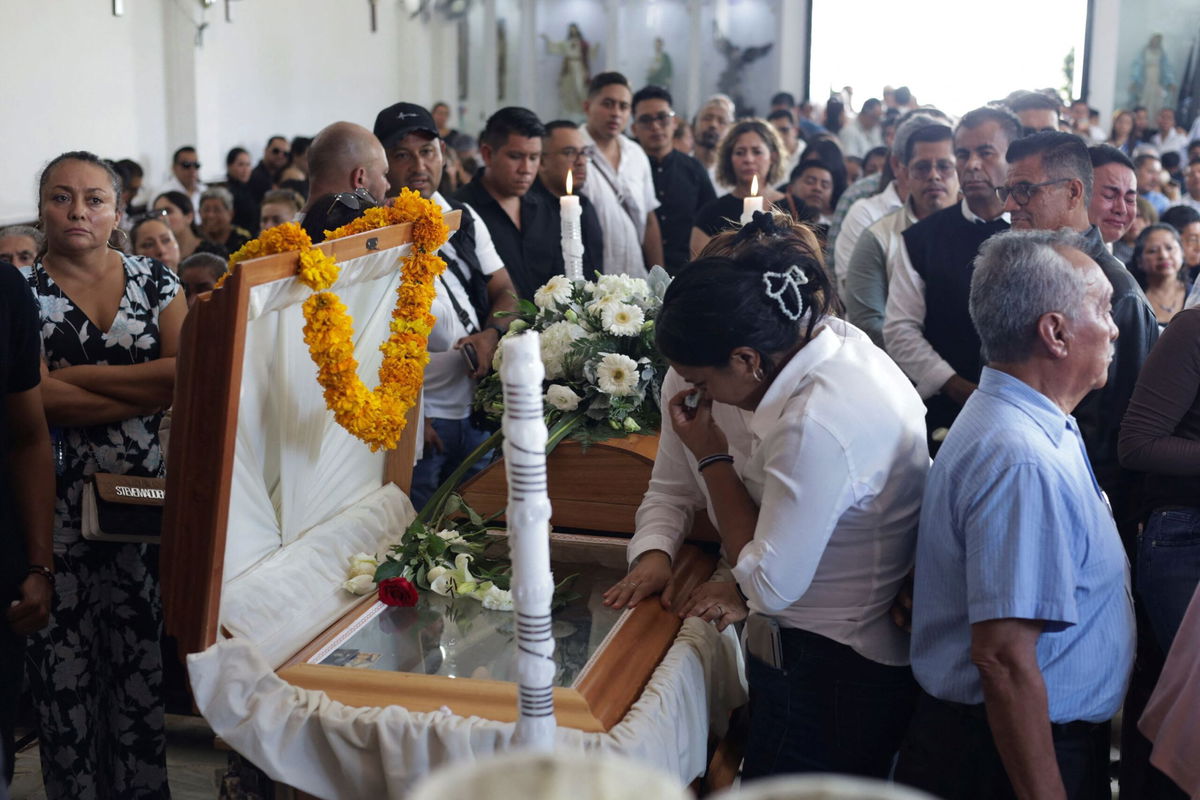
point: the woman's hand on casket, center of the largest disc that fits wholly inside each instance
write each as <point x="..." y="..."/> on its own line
<point x="717" y="602"/>
<point x="696" y="427"/>
<point x="650" y="575"/>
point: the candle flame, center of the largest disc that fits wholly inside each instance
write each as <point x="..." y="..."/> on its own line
<point x="753" y="185"/>
<point x="570" y="183"/>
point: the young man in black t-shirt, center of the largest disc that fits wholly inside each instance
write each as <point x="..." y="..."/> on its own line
<point x="26" y="496"/>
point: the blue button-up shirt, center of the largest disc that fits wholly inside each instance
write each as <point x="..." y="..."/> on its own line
<point x="1014" y="525"/>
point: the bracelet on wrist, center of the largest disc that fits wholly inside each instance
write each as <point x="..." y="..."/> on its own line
<point x="715" y="458"/>
<point x="45" y="572"/>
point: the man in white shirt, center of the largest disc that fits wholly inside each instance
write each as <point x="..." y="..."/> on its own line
<point x="185" y="177"/>
<point x="1191" y="197"/>
<point x="927" y="327"/>
<point x="864" y="132"/>
<point x="785" y="123"/>
<point x="1170" y="137"/>
<point x="466" y="311"/>
<point x="928" y="170"/>
<point x="620" y="184"/>
<point x="869" y="210"/>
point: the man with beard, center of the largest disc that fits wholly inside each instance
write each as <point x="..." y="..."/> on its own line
<point x="927" y="325"/>
<point x="473" y="290"/>
<point x="714" y="119"/>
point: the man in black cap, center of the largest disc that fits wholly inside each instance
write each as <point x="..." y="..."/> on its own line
<point x="474" y="288"/>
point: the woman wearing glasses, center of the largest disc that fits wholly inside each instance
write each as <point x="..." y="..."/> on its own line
<point x="110" y="329"/>
<point x="750" y="156"/>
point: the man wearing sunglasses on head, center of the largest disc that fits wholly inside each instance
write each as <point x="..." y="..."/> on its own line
<point x="681" y="183"/>
<point x="1049" y="187"/>
<point x="471" y="292"/>
<point x="274" y="158"/>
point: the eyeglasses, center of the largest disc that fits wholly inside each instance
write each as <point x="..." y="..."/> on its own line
<point x="921" y="170"/>
<point x="577" y="153"/>
<point x="661" y="118"/>
<point x="279" y="151"/>
<point x="1023" y="192"/>
<point x="189" y="164"/>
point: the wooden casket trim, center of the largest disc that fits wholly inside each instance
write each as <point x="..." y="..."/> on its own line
<point x="203" y="439"/>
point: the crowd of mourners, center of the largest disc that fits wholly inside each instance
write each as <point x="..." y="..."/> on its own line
<point x="1008" y="292"/>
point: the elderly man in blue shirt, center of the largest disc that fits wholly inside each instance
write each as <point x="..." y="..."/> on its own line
<point x="1023" y="628"/>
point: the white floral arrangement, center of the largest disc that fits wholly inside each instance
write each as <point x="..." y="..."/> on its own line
<point x="603" y="373"/>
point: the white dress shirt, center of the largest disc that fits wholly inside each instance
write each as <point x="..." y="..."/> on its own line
<point x="857" y="141"/>
<point x="1175" y="141"/>
<point x="622" y="240"/>
<point x="173" y="185"/>
<point x="862" y="215"/>
<point x="448" y="387"/>
<point x="904" y="326"/>
<point x="837" y="476"/>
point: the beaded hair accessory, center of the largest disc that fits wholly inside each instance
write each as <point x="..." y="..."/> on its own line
<point x="784" y="289"/>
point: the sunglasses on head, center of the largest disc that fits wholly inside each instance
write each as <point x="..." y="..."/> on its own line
<point x="190" y="164"/>
<point x="157" y="213"/>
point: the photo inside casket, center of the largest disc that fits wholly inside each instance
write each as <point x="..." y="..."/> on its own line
<point x="457" y="637"/>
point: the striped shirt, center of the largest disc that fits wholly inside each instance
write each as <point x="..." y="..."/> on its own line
<point x="1015" y="526"/>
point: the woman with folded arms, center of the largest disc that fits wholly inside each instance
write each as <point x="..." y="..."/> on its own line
<point x="110" y="328"/>
<point x="806" y="446"/>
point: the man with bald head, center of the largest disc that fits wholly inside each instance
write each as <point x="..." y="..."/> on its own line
<point x="344" y="158"/>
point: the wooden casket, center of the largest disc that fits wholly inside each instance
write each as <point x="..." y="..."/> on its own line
<point x="338" y="695"/>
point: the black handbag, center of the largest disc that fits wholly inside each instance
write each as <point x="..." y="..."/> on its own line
<point x="123" y="508"/>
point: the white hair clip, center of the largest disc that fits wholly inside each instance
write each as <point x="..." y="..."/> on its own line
<point x="784" y="289"/>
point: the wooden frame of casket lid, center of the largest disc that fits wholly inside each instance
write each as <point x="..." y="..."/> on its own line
<point x="597" y="488"/>
<point x="196" y="519"/>
<point x="204" y="423"/>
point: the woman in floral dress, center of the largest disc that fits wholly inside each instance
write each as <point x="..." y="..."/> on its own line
<point x="110" y="329"/>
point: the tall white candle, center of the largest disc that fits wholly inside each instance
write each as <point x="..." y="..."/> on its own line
<point x="752" y="203"/>
<point x="572" y="232"/>
<point x="529" y="537"/>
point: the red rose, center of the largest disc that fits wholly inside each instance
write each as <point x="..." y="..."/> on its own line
<point x="397" y="592"/>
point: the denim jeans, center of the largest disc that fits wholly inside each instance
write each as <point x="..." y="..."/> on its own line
<point x="459" y="437"/>
<point x="1168" y="568"/>
<point x="827" y="710"/>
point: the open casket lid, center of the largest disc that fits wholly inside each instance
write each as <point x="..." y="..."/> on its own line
<point x="257" y="464"/>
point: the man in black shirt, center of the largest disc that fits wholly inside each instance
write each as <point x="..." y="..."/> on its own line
<point x="681" y="183"/>
<point x="274" y="159"/>
<point x="26" y="496"/>
<point x="563" y="150"/>
<point x="524" y="227"/>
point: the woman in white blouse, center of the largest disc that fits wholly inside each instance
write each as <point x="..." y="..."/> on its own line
<point x="806" y="445"/>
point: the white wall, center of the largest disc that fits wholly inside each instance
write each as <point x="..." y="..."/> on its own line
<point x="136" y="86"/>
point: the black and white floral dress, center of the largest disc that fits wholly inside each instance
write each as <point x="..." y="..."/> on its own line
<point x="96" y="670"/>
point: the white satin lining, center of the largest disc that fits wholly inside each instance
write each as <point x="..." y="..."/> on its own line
<point x="305" y="494"/>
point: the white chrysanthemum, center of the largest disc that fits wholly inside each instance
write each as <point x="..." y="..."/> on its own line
<point x="556" y="343"/>
<point x="497" y="599"/>
<point x="623" y="287"/>
<point x="623" y="319"/>
<point x="359" y="584"/>
<point x="617" y="374"/>
<point x="562" y="398"/>
<point x="556" y="291"/>
<point x="362" y="564"/>
<point x="600" y="303"/>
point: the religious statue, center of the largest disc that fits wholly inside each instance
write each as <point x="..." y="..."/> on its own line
<point x="736" y="58"/>
<point x="661" y="71"/>
<point x="1152" y="80"/>
<point x="575" y="74"/>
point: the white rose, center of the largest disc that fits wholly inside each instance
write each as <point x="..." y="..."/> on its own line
<point x="359" y="584"/>
<point x="498" y="599"/>
<point x="623" y="319"/>
<point x="556" y="291"/>
<point x="362" y="564"/>
<point x="617" y="374"/>
<point x="562" y="398"/>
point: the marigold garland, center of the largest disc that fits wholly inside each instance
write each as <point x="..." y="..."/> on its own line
<point x="376" y="417"/>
